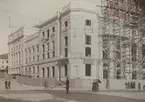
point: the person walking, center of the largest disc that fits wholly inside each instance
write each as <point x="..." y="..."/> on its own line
<point x="67" y="85"/>
<point x="9" y="84"/>
<point x="6" y="85"/>
<point x="46" y="84"/>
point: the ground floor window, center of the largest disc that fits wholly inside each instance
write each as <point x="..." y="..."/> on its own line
<point x="53" y="71"/>
<point x="134" y="75"/>
<point x="48" y="71"/>
<point x="43" y="72"/>
<point x="65" y="66"/>
<point x="105" y="73"/>
<point x="88" y="70"/>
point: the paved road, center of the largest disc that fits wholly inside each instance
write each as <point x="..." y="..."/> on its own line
<point x="60" y="96"/>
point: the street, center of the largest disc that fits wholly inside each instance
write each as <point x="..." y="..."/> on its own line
<point x="59" y="96"/>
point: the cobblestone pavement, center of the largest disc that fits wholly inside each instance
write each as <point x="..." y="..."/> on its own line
<point x="60" y="96"/>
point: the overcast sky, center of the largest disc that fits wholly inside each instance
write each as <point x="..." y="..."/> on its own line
<point x="26" y="12"/>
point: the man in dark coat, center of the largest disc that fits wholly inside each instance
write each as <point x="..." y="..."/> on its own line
<point x="9" y="85"/>
<point x="6" y="84"/>
<point x="67" y="85"/>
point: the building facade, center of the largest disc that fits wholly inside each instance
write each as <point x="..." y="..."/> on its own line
<point x="4" y="63"/>
<point x="68" y="43"/>
<point x="16" y="50"/>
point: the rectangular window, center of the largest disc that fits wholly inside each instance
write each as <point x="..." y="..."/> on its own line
<point x="48" y="71"/>
<point x="66" y="23"/>
<point x="33" y="49"/>
<point x="88" y="39"/>
<point x="37" y="69"/>
<point x="43" y="34"/>
<point x="48" y="46"/>
<point x="53" y="71"/>
<point x="48" y="33"/>
<point x="43" y="72"/>
<point x="47" y="55"/>
<point x="53" y="45"/>
<point x="88" y="52"/>
<point x="33" y="58"/>
<point x="53" y="53"/>
<point x="37" y="48"/>
<point x="37" y="57"/>
<point x="88" y="70"/>
<point x="66" y="41"/>
<point x="43" y="47"/>
<point x="65" y="66"/>
<point x="33" y="69"/>
<point x="88" y="22"/>
<point x="66" y="52"/>
<point x="43" y="56"/>
<point x="53" y="29"/>
<point x="105" y="73"/>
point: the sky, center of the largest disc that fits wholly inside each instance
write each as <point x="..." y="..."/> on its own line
<point x="17" y="13"/>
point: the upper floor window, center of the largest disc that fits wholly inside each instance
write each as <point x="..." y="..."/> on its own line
<point x="48" y="46"/>
<point x="88" y="39"/>
<point x="88" y="70"/>
<point x="53" y="53"/>
<point x="53" y="29"/>
<point x="88" y="22"/>
<point x="88" y="52"/>
<point x="37" y="48"/>
<point x="43" y="34"/>
<point x="48" y="33"/>
<point x="66" y="52"/>
<point x="33" y="49"/>
<point x="53" y="45"/>
<point x="66" y="40"/>
<point x="66" y="23"/>
<point x="43" y="48"/>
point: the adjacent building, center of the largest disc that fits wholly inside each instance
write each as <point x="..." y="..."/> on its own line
<point x="4" y="63"/>
<point x="16" y="49"/>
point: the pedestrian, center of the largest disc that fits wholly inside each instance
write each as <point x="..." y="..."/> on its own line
<point x="125" y="85"/>
<point x="67" y="85"/>
<point x="6" y="84"/>
<point x="9" y="84"/>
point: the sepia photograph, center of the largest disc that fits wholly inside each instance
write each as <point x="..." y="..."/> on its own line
<point x="72" y="50"/>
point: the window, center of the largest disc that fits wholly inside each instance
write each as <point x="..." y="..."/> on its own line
<point x="33" y="58"/>
<point x="105" y="73"/>
<point x="29" y="59"/>
<point x="53" y="71"/>
<point x="33" y="69"/>
<point x="53" y="45"/>
<point x="43" y="47"/>
<point x="29" y="51"/>
<point x="66" y="52"/>
<point x="65" y="66"/>
<point x="66" y="41"/>
<point x="134" y="75"/>
<point x="88" y="70"/>
<point x="105" y="55"/>
<point x="88" y="22"/>
<point x="134" y="51"/>
<point x="43" y="34"/>
<point x="48" y="71"/>
<point x="88" y="52"/>
<point x="118" y="74"/>
<point x="66" y="23"/>
<point x="48" y="33"/>
<point x="37" y="69"/>
<point x="37" y="48"/>
<point x="53" y="29"/>
<point x="37" y="57"/>
<point x="143" y="50"/>
<point x="48" y="46"/>
<point x="53" y="53"/>
<point x="43" y="56"/>
<point x="43" y="72"/>
<point x="88" y="39"/>
<point x="47" y="55"/>
<point x="33" y="49"/>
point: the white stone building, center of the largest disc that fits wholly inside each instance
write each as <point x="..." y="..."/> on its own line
<point x="16" y="47"/>
<point x="68" y="43"/>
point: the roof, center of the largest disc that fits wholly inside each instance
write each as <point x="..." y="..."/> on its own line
<point x="4" y="56"/>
